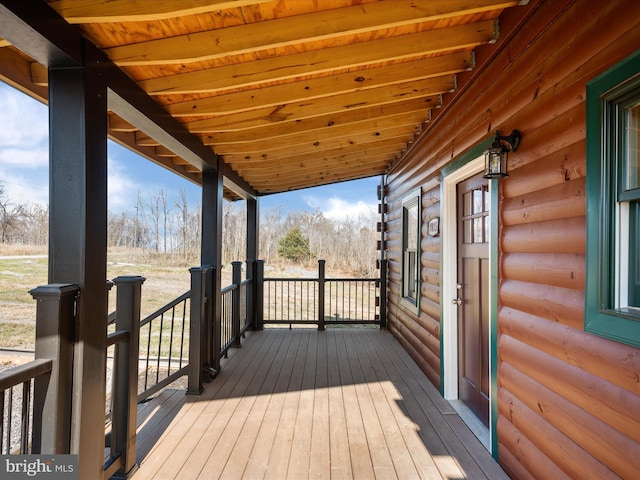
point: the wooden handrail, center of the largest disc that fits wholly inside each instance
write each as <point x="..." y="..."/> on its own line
<point x="23" y="373"/>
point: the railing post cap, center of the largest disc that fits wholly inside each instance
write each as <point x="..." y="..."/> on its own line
<point x="201" y="268"/>
<point x="129" y="279"/>
<point x="55" y="290"/>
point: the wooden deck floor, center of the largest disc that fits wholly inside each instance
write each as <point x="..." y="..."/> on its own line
<point x="295" y="404"/>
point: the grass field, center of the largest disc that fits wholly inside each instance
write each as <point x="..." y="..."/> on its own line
<point x="22" y="270"/>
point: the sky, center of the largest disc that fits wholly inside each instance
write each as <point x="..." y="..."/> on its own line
<point x="24" y="171"/>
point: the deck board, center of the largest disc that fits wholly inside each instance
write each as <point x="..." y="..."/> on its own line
<point x="344" y="403"/>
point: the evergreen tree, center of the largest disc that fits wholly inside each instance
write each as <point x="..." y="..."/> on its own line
<point x="294" y="246"/>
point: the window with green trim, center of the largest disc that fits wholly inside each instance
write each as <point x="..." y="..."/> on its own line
<point x="411" y="250"/>
<point x="612" y="306"/>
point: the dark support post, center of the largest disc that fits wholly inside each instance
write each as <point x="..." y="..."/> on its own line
<point x="321" y="264"/>
<point x="252" y="228"/>
<point x="249" y="299"/>
<point x="252" y="255"/>
<point x="258" y="284"/>
<point x="125" y="386"/>
<point x="78" y="238"/>
<point x="211" y="254"/>
<point x="236" y="279"/>
<point x="197" y="328"/>
<point x="55" y="324"/>
<point x="383" y="294"/>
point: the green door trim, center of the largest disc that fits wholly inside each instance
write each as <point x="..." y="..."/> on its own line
<point x="459" y="162"/>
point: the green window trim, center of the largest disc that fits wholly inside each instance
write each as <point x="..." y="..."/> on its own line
<point x="607" y="94"/>
<point x="411" y="228"/>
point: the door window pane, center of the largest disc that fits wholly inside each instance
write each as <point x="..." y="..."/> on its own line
<point x="478" y="202"/>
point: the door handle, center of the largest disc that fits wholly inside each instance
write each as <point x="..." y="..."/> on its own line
<point x="457" y="301"/>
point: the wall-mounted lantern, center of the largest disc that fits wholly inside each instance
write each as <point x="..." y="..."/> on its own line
<point x="496" y="157"/>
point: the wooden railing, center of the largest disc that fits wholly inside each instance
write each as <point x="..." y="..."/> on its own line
<point x="16" y="405"/>
<point x="234" y="318"/>
<point x="323" y="301"/>
<point x="164" y="346"/>
<point x="186" y="337"/>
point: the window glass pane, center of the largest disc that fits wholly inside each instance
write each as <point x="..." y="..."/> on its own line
<point x="486" y="229"/>
<point x="466" y="199"/>
<point x="477" y="230"/>
<point x="412" y="227"/>
<point x="633" y="154"/>
<point x="412" y="274"/>
<point x="478" y="206"/>
<point x="486" y="198"/>
<point x="634" y="254"/>
<point x="467" y="235"/>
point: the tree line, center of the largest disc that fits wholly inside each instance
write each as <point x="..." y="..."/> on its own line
<point x="158" y="225"/>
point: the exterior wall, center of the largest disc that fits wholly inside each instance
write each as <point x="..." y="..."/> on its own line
<point x="569" y="401"/>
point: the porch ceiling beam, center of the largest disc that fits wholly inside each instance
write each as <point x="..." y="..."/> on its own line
<point x="287" y="31"/>
<point x="39" y="31"/>
<point x="14" y="70"/>
<point x="305" y="108"/>
<point x="402" y="47"/>
<point x="326" y="174"/>
<point x="295" y="169"/>
<point x="323" y="156"/>
<point x="260" y="144"/>
<point x="316" y="145"/>
<point x="82" y="11"/>
<point x="135" y="107"/>
<point x="276" y="184"/>
<point x="336" y="158"/>
<point x="438" y="73"/>
<point x="337" y="120"/>
<point x="175" y="164"/>
<point x="289" y="113"/>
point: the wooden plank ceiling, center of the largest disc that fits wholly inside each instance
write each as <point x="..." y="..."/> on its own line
<point x="291" y="93"/>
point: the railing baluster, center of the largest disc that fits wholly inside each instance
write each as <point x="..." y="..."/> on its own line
<point x="159" y="348"/>
<point x="184" y="321"/>
<point x="24" y="430"/>
<point x="9" y="420"/>
<point x="146" y="368"/>
<point x="173" y="321"/>
<point x="4" y="393"/>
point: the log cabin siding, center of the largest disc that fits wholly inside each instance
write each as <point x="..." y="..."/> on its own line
<point x="568" y="401"/>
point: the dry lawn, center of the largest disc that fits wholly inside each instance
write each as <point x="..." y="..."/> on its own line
<point x="24" y="268"/>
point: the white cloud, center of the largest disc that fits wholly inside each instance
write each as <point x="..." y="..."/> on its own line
<point x="336" y="208"/>
<point x="26" y="121"/>
<point x="122" y="190"/>
<point x="26" y="157"/>
<point x="24" y="147"/>
<point x="25" y="190"/>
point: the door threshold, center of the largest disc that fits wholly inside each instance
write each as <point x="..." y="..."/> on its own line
<point x="474" y="423"/>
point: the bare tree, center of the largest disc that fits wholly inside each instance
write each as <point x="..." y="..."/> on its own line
<point x="11" y="217"/>
<point x="234" y="231"/>
<point x="38" y="224"/>
<point x="271" y="231"/>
